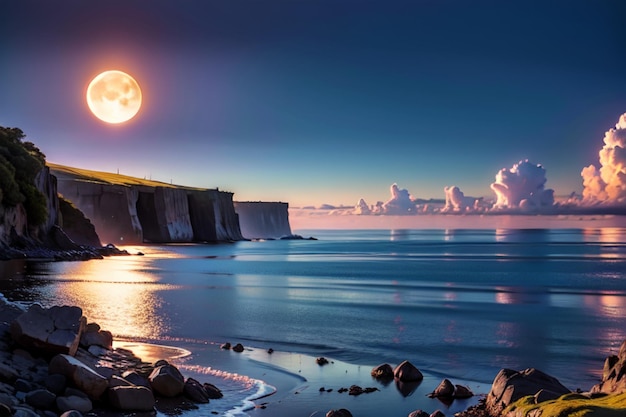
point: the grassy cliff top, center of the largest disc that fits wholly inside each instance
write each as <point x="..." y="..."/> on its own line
<point x="80" y="174"/>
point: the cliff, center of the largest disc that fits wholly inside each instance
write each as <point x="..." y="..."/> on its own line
<point x="129" y="210"/>
<point x="263" y="220"/>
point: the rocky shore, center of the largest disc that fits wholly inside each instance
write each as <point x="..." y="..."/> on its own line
<point x="54" y="363"/>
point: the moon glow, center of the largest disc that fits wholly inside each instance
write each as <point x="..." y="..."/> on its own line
<point x="114" y="97"/>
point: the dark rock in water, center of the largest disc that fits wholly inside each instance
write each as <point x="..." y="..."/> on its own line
<point x="212" y="391"/>
<point x="418" y="413"/>
<point x="74" y="402"/>
<point x="461" y="391"/>
<point x="167" y="381"/>
<point x="509" y="386"/>
<point x="407" y="372"/>
<point x="270" y="351"/>
<point x="226" y="346"/>
<point x="355" y="390"/>
<point x="5" y="410"/>
<point x="238" y="348"/>
<point x="383" y="371"/>
<point x="438" y="413"/>
<point x="296" y="237"/>
<point x="445" y="389"/>
<point x="342" y="412"/>
<point x="321" y="361"/>
<point x="195" y="391"/>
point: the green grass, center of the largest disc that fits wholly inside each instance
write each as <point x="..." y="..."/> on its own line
<point x="571" y="405"/>
<point x="65" y="172"/>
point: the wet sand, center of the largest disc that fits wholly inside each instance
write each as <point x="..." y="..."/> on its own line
<point x="295" y="382"/>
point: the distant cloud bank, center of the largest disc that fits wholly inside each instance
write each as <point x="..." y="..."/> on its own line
<point x="521" y="190"/>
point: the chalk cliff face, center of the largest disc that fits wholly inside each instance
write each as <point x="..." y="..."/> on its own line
<point x="133" y="214"/>
<point x="263" y="220"/>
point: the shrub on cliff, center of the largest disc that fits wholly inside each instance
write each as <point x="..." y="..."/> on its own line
<point x="20" y="162"/>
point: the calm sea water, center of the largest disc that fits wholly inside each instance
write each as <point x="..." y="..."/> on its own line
<point x="459" y="303"/>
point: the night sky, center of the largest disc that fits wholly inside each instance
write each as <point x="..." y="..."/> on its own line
<point x="315" y="102"/>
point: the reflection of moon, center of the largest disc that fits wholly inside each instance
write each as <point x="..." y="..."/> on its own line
<point x="114" y="97"/>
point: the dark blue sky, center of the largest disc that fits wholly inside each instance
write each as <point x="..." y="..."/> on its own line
<point x="317" y="102"/>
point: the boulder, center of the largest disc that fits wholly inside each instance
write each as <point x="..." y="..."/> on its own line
<point x="613" y="374"/>
<point x="238" y="348"/>
<point x="72" y="413"/>
<point x="461" y="391"/>
<point x="212" y="391"/>
<point x="55" y="383"/>
<point x="437" y="413"/>
<point x="195" y="391"/>
<point x="102" y="338"/>
<point x="131" y="398"/>
<point x="383" y="371"/>
<point x="342" y="412"/>
<point x="407" y="372"/>
<point x="136" y="379"/>
<point x="53" y="330"/>
<point x="445" y="389"/>
<point x="41" y="399"/>
<point x="418" y="413"/>
<point x="74" y="402"/>
<point x="509" y="386"/>
<point x="167" y="381"/>
<point x="118" y="381"/>
<point x="82" y="376"/>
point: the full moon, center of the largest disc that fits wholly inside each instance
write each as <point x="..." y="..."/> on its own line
<point x="114" y="97"/>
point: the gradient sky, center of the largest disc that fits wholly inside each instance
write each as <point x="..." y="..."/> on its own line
<point x="315" y="102"/>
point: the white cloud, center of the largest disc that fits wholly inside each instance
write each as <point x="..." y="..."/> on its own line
<point x="399" y="203"/>
<point x="522" y="187"/>
<point x="457" y="201"/>
<point x="608" y="184"/>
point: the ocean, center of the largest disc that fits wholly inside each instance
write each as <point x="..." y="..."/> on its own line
<point x="457" y="303"/>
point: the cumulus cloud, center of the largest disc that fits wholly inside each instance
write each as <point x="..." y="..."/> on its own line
<point x="399" y="203"/>
<point x="457" y="201"/>
<point x="522" y="186"/>
<point x="362" y="208"/>
<point x="608" y="184"/>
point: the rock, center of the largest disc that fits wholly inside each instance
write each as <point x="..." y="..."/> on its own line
<point x="383" y="371"/>
<point x="226" y="346"/>
<point x="5" y="410"/>
<point x="407" y="372"/>
<point x="509" y="386"/>
<point x="102" y="338"/>
<point x="134" y="378"/>
<point x="82" y="376"/>
<point x="23" y="385"/>
<point x="7" y="373"/>
<point x="321" y="361"/>
<point x="212" y="391"/>
<point x="131" y="398"/>
<point x="445" y="389"/>
<point x="22" y="411"/>
<point x="195" y="391"/>
<point x="41" y="399"/>
<point x="55" y="383"/>
<point x="238" y="348"/>
<point x="545" y="395"/>
<point x="74" y="402"/>
<point x="418" y="413"/>
<point x="72" y="413"/>
<point x="66" y="317"/>
<point x="167" y="381"/>
<point x="355" y="390"/>
<point x="54" y="330"/>
<point x="613" y="380"/>
<point x="342" y="412"/>
<point x="438" y="413"/>
<point x="461" y="391"/>
<point x="118" y="381"/>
